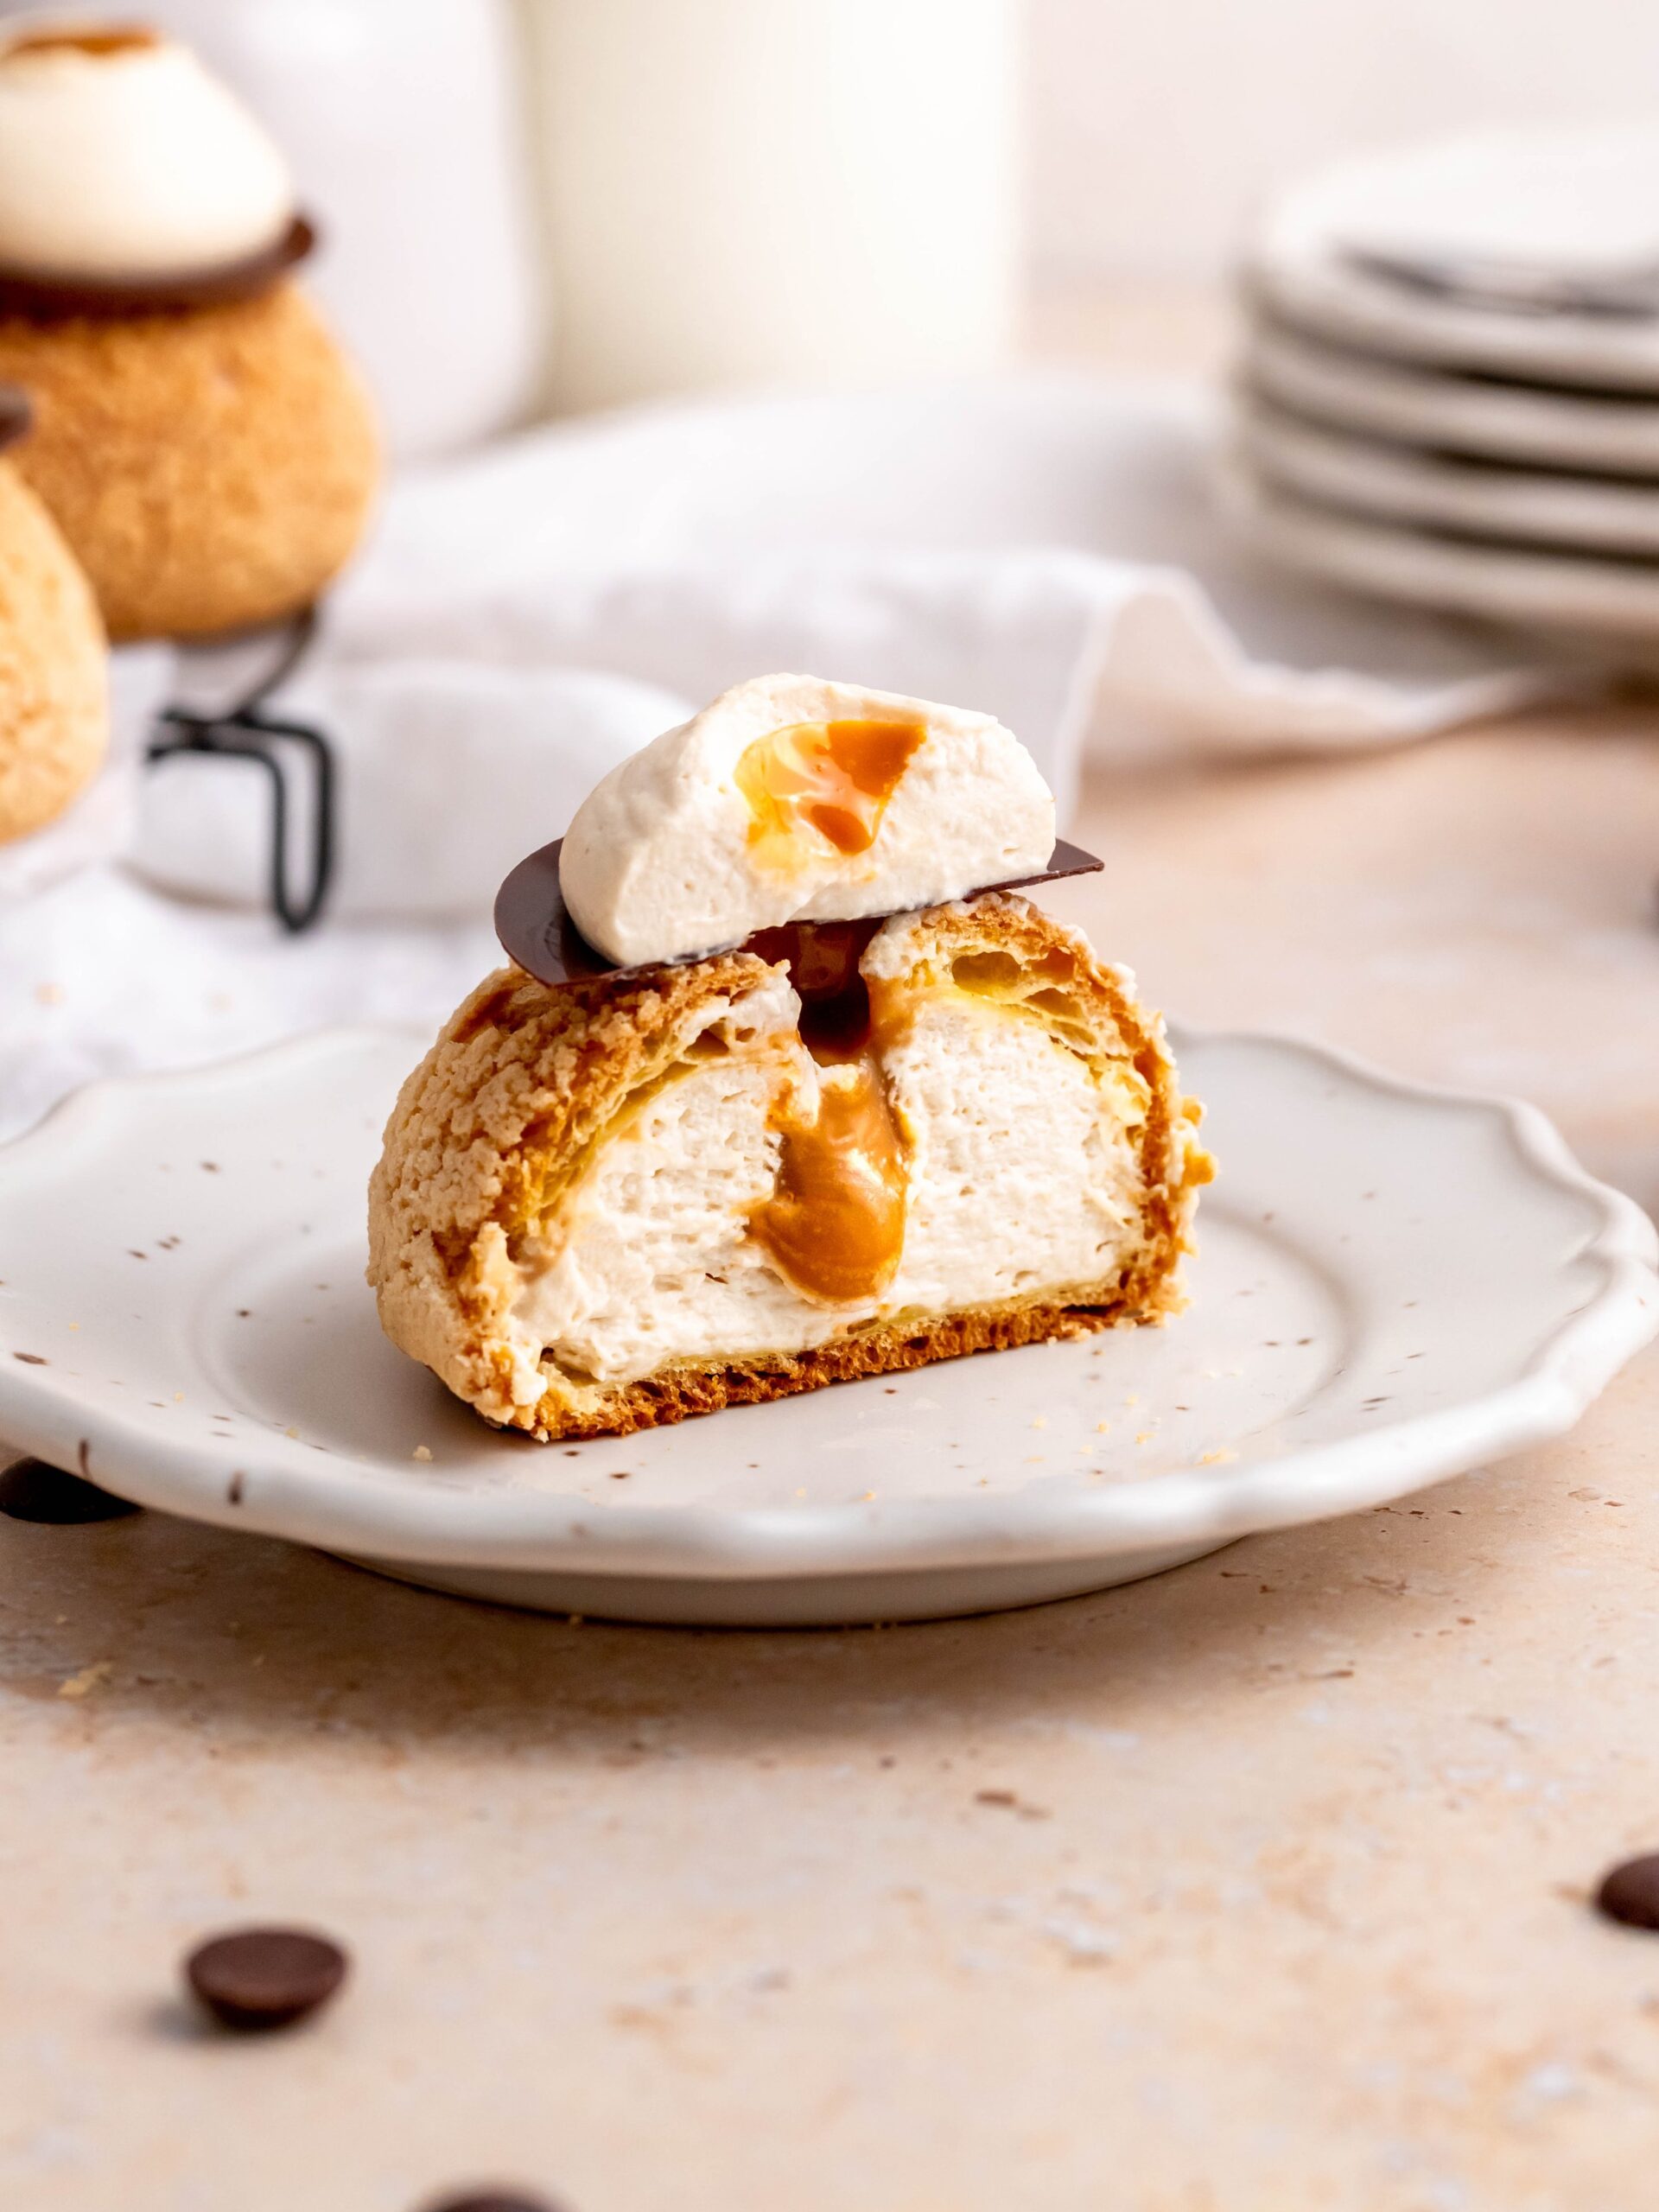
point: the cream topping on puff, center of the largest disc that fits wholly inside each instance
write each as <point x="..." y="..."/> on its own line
<point x="121" y="155"/>
<point x="794" y="799"/>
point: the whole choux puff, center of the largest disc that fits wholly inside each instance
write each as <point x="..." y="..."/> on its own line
<point x="213" y="468"/>
<point x="203" y="444"/>
<point x="53" y="696"/>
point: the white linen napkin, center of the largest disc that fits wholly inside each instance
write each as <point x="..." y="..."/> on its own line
<point x="1047" y="549"/>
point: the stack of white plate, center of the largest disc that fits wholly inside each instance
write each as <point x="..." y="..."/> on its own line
<point x="1449" y="388"/>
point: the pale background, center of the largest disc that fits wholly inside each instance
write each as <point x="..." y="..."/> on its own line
<point x="572" y="202"/>
<point x="1152" y="131"/>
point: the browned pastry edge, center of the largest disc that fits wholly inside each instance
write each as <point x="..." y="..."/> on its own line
<point x="501" y="1113"/>
<point x="679" y="1393"/>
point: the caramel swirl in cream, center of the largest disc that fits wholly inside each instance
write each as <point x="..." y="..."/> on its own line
<point x="834" y="1226"/>
<point x="109" y="38"/>
<point x="833" y="777"/>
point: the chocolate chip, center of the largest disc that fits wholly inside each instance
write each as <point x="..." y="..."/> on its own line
<point x="1631" y="1892"/>
<point x="491" y="2199"/>
<point x="31" y="1491"/>
<point x="262" y="1978"/>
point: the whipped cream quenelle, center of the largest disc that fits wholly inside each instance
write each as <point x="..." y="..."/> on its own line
<point x="122" y="157"/>
<point x="794" y="799"/>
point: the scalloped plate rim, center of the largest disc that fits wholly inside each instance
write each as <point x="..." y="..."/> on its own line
<point x="548" y="1530"/>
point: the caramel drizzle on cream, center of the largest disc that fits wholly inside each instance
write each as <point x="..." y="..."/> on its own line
<point x="834" y="1225"/>
<point x="115" y="38"/>
<point x="834" y="778"/>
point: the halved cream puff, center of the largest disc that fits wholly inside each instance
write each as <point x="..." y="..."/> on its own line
<point x="856" y="1141"/>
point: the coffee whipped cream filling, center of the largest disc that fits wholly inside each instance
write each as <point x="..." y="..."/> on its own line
<point x="792" y="799"/>
<point x="121" y="156"/>
<point x="1020" y="1179"/>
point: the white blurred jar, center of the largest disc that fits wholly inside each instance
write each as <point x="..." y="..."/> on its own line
<point x="403" y="123"/>
<point x="762" y="191"/>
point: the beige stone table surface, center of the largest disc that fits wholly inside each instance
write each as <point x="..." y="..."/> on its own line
<point x="1278" y="1899"/>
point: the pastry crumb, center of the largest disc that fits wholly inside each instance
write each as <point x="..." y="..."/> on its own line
<point x="89" y="1679"/>
<point x="1222" y="1453"/>
<point x="421" y="1451"/>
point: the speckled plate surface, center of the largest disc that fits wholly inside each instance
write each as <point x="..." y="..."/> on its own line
<point x="1395" y="1284"/>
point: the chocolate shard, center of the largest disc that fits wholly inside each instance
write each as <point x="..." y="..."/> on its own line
<point x="538" y="933"/>
<point x="45" y="293"/>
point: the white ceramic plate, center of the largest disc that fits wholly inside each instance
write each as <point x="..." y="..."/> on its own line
<point x="1580" y="200"/>
<point x="1398" y="483"/>
<point x="1455" y="414"/>
<point x="1394" y="1284"/>
<point x="1578" y="596"/>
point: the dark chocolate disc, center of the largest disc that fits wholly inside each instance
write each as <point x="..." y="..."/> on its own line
<point x="536" y="932"/>
<point x="261" y="1978"/>
<point x="493" y="2200"/>
<point x="1629" y="1891"/>
<point x="45" y="293"/>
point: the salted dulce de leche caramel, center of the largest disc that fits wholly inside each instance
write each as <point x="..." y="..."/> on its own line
<point x="110" y="38"/>
<point x="833" y="777"/>
<point x="834" y="1225"/>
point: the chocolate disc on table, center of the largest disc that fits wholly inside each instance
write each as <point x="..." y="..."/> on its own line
<point x="538" y="933"/>
<point x="69" y="292"/>
<point x="256" y="1978"/>
<point x="493" y="2200"/>
<point x="1630" y="1892"/>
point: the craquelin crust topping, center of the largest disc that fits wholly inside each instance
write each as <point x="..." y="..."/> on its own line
<point x="503" y="1114"/>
